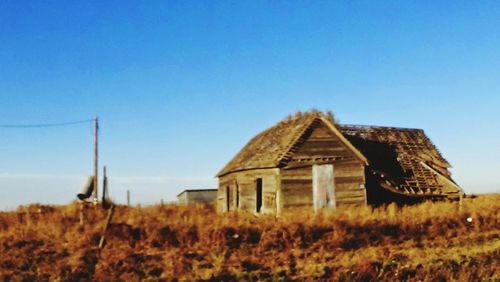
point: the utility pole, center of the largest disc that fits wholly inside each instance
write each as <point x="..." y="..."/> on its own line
<point x="104" y="185"/>
<point x="96" y="155"/>
<point x="128" y="198"/>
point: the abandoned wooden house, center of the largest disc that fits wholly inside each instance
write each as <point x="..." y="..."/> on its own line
<point x="308" y="160"/>
<point x="197" y="196"/>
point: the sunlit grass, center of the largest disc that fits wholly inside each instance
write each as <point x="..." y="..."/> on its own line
<point x="430" y="241"/>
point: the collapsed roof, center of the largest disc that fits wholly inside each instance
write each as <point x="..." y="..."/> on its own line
<point x="404" y="160"/>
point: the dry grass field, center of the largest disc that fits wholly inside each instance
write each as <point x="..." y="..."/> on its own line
<point x="430" y="241"/>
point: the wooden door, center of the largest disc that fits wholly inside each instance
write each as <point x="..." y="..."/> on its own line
<point x="323" y="186"/>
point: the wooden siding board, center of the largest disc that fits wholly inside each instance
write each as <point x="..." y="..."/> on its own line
<point x="296" y="171"/>
<point x="307" y="162"/>
<point x="349" y="179"/>
<point x="298" y="191"/>
<point x="296" y="177"/>
<point x="349" y="169"/>
<point x="349" y="186"/>
<point x="349" y="193"/>
<point x="298" y="200"/>
<point x="296" y="181"/>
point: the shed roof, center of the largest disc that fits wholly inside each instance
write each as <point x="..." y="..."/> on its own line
<point x="197" y="190"/>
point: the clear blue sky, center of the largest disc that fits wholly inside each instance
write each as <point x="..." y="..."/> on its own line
<point x="181" y="86"/>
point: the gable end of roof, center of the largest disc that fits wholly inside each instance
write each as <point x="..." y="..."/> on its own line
<point x="275" y="146"/>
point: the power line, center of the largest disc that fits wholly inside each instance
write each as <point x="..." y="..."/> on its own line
<point x="45" y="124"/>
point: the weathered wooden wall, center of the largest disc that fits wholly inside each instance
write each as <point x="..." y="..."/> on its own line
<point x="200" y="196"/>
<point x="321" y="146"/>
<point x="182" y="198"/>
<point x="296" y="187"/>
<point x="350" y="182"/>
<point x="227" y="182"/>
<point x="243" y="194"/>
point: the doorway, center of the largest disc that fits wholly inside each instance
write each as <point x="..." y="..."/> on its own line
<point x="258" y="189"/>
<point x="228" y="198"/>
<point x="323" y="187"/>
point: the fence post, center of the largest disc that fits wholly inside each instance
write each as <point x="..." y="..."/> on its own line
<point x="460" y="203"/>
<point x="82" y="213"/>
<point x="28" y="217"/>
<point x="128" y="198"/>
<point x="111" y="211"/>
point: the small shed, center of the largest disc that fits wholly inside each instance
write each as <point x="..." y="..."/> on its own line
<point x="308" y="160"/>
<point x="197" y="196"/>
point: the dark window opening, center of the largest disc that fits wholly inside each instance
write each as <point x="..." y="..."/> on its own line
<point x="228" y="198"/>
<point x="259" y="194"/>
<point x="237" y="196"/>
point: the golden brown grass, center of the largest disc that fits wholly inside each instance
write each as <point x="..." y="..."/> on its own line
<point x="431" y="241"/>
